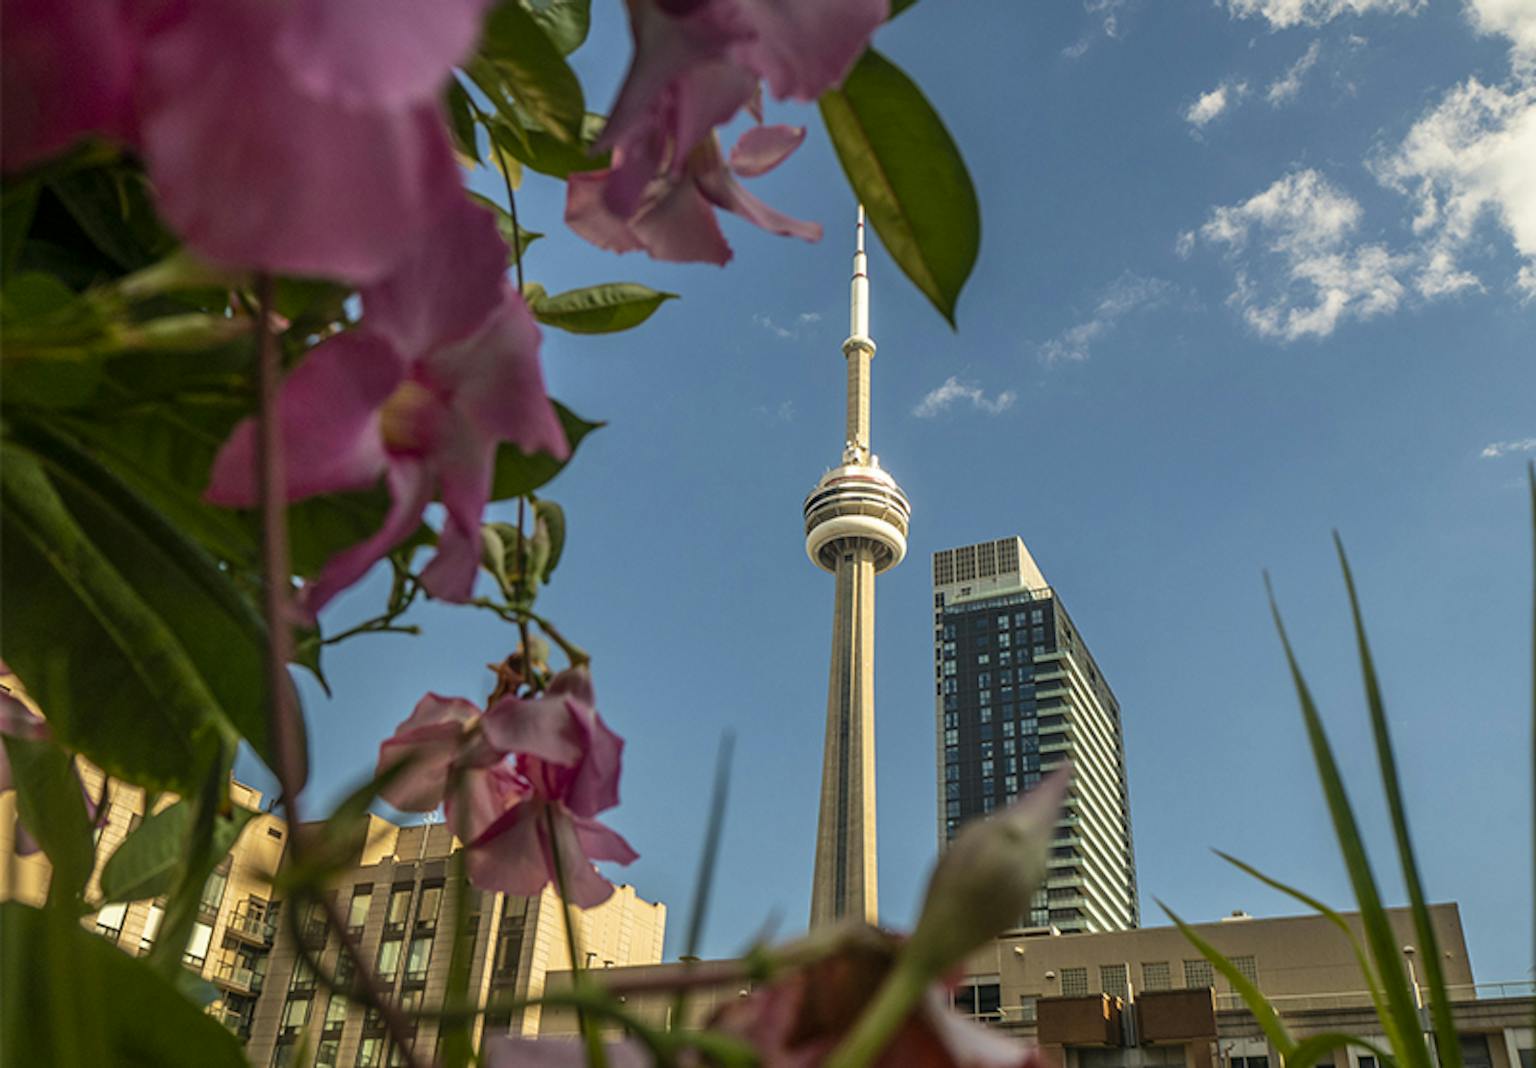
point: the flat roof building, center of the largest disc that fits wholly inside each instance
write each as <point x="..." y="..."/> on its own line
<point x="1016" y="694"/>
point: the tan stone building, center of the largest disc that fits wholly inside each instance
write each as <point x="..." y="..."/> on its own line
<point x="1145" y="998"/>
<point x="398" y="903"/>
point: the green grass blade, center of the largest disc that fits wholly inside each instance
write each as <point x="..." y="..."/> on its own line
<point x="1257" y="1004"/>
<point x="1372" y="984"/>
<point x="1309" y="1049"/>
<point x="1429" y="949"/>
<point x="1412" y="1052"/>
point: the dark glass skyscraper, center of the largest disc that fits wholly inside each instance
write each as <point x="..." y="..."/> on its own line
<point x="1017" y="693"/>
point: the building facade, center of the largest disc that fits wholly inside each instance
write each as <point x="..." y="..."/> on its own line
<point x="399" y="903"/>
<point x="1016" y="694"/>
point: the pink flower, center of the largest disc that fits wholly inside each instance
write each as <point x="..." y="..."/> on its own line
<point x="516" y="818"/>
<point x="507" y="1051"/>
<point x="296" y="136"/>
<point x="696" y="63"/>
<point x="444" y="367"/>
<point x="673" y="218"/>
<point x="568" y="763"/>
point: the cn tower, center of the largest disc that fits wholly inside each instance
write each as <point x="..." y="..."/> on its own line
<point x="855" y="527"/>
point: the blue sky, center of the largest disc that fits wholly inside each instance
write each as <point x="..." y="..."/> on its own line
<point x="1251" y="271"/>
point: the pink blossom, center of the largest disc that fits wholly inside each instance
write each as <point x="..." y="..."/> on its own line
<point x="673" y="217"/>
<point x="444" y="367"/>
<point x="569" y="762"/>
<point x="296" y="136"/>
<point x="696" y="64"/>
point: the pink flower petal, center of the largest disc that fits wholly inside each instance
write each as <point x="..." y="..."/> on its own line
<point x="445" y="287"/>
<point x="65" y="71"/>
<point x="575" y="683"/>
<point x="329" y="411"/>
<point x="464" y="460"/>
<point x="588" y="215"/>
<point x="377" y="53"/>
<point x="725" y="192"/>
<point x="804" y="47"/>
<point x="486" y="796"/>
<point x="510" y="855"/>
<point x="429" y="739"/>
<point x="538" y="726"/>
<point x="410" y="488"/>
<point x="762" y="148"/>
<point x="496" y="380"/>
<point x="595" y="787"/>
<point x="969" y="1044"/>
<point x="227" y="134"/>
<point x="601" y="842"/>
<point x="585" y="887"/>
<point x="680" y="227"/>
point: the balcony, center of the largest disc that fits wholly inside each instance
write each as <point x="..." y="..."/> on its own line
<point x="1091" y="1020"/>
<point x="314" y="934"/>
<point x="233" y="1020"/>
<point x="253" y="928"/>
<point x="1176" y="1015"/>
<point x="235" y="975"/>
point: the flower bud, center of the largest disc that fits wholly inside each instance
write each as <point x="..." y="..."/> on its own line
<point x="984" y="881"/>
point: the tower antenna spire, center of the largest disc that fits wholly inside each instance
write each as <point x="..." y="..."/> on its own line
<point x="858" y="317"/>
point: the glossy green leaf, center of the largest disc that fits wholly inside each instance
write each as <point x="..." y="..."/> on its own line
<point x="50" y="803"/>
<point x="519" y="474"/>
<point x="1268" y="1020"/>
<point x="565" y="22"/>
<point x="603" y="309"/>
<point x="1424" y="930"/>
<point x="39" y="313"/>
<point x="1385" y="952"/>
<point x="145" y="865"/>
<point x="1312" y="1048"/>
<point x="461" y="120"/>
<point x="538" y="151"/>
<point x="18" y="202"/>
<point x="533" y="69"/>
<point x="73" y="1000"/>
<point x="907" y="172"/>
<point x="898" y="6"/>
<point x="199" y="855"/>
<point x="515" y="236"/>
<point x="551" y="517"/>
<point x="112" y="205"/>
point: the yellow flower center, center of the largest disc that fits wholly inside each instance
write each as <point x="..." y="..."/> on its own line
<point x="403" y="418"/>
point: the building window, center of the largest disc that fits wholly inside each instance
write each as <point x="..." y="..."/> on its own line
<point x="1198" y="973"/>
<point x="949" y="667"/>
<point x="985" y="714"/>
<point x="1007" y="724"/>
<point x="109" y="921"/>
<point x="151" y="927"/>
<point x="1008" y="744"/>
<point x="1112" y="979"/>
<point x="296" y="1013"/>
<point x="983" y="658"/>
<point x="1250" y="1062"/>
<point x="416" y="961"/>
<point x="951" y="719"/>
<point x="950" y="686"/>
<point x="952" y="773"/>
<point x="952" y="737"/>
<point x="399" y="907"/>
<point x="302" y="981"/>
<point x="1038" y="615"/>
<point x="1247" y="969"/>
<point x="1155" y="975"/>
<point x="983" y="679"/>
<point x="988" y="803"/>
<point x="335" y="1015"/>
<point x="952" y="755"/>
<point x="327" y="1053"/>
<point x="1011" y="784"/>
<point x="1074" y="982"/>
<point x="986" y="750"/>
<point x="986" y="767"/>
<point x="197" y="949"/>
<point x="389" y="959"/>
<point x="357" y="911"/>
<point x="370" y="1053"/>
<point x="984" y="697"/>
<point x="978" y="999"/>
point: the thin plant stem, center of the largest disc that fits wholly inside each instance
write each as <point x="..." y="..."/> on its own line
<point x="283" y="724"/>
<point x="522" y="551"/>
<point x="707" y="863"/>
<point x="517" y="231"/>
<point x="596" y="1057"/>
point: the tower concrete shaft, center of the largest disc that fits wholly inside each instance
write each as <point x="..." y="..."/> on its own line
<point x="856" y="527"/>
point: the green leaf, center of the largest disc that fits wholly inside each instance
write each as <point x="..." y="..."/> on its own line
<point x="461" y="120"/>
<point x="533" y="69"/>
<point x="39" y="312"/>
<point x="515" y="236"/>
<point x="565" y="22"/>
<point x="113" y="207"/>
<point x="199" y="855"/>
<point x="898" y="6"/>
<point x="603" y="309"/>
<point x="907" y="172"/>
<point x="552" y="517"/>
<point x="144" y="866"/>
<point x="1309" y="1050"/>
<point x="122" y="613"/>
<point x="90" y="1004"/>
<point x="1424" y="930"/>
<point x="1411" y="1052"/>
<point x="17" y="204"/>
<point x="519" y="474"/>
<point x="1262" y="1011"/>
<point x="50" y="803"/>
<point x="541" y="152"/>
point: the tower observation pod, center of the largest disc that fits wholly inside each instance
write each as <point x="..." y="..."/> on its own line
<point x="855" y="527"/>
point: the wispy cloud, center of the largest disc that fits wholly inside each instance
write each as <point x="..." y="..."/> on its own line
<point x="1498" y="449"/>
<point x="1286" y="87"/>
<point x="779" y="330"/>
<point x="954" y="392"/>
<point x="784" y="412"/>
<point x="1107" y="14"/>
<point x="1126" y="294"/>
<point x="1208" y="107"/>
<point x="1283" y="14"/>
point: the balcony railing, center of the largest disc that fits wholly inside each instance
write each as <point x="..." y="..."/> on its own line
<point x="234" y="1021"/>
<point x="232" y="973"/>
<point x="1355" y="999"/>
<point x="251" y="927"/>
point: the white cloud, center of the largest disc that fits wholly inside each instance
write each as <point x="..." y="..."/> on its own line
<point x="1108" y="14"/>
<point x="1184" y="244"/>
<point x="1128" y="293"/>
<point x="808" y="317"/>
<point x="1515" y="19"/>
<point x="1498" y="449"/>
<point x="953" y="392"/>
<point x="1282" y="14"/>
<point x="1470" y="158"/>
<point x="1288" y="85"/>
<point x="786" y="332"/>
<point x="1209" y="106"/>
<point x="1299" y="272"/>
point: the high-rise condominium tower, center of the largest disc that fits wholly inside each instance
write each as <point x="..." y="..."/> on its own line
<point x="855" y="527"/>
<point x="1018" y="693"/>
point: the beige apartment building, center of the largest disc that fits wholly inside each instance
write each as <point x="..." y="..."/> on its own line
<point x="1145" y="998"/>
<point x="397" y="900"/>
